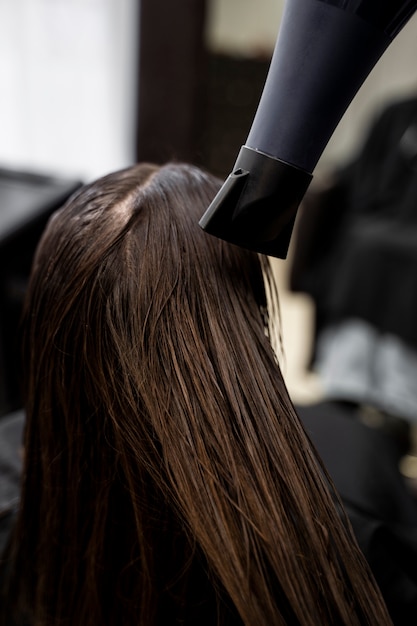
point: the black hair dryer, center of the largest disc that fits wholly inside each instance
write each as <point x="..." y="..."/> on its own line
<point x="324" y="51"/>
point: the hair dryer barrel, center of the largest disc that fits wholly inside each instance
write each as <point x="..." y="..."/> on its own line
<point x="324" y="52"/>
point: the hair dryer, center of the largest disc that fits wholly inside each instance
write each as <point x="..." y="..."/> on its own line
<point x="325" y="50"/>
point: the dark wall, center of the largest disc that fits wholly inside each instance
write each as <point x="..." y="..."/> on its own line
<point x="193" y="104"/>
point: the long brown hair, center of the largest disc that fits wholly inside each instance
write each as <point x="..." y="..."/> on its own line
<point x="167" y="477"/>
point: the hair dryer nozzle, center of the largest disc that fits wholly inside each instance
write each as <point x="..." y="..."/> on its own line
<point x="324" y="51"/>
<point x="257" y="204"/>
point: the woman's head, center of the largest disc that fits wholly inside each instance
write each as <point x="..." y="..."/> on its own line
<point x="167" y="477"/>
<point x="125" y="281"/>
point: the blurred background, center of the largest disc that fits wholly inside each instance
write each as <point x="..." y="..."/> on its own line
<point x="89" y="86"/>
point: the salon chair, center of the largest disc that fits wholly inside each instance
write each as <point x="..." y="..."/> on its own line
<point x="26" y="202"/>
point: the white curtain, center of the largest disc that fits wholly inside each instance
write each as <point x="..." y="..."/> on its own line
<point x="67" y="85"/>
